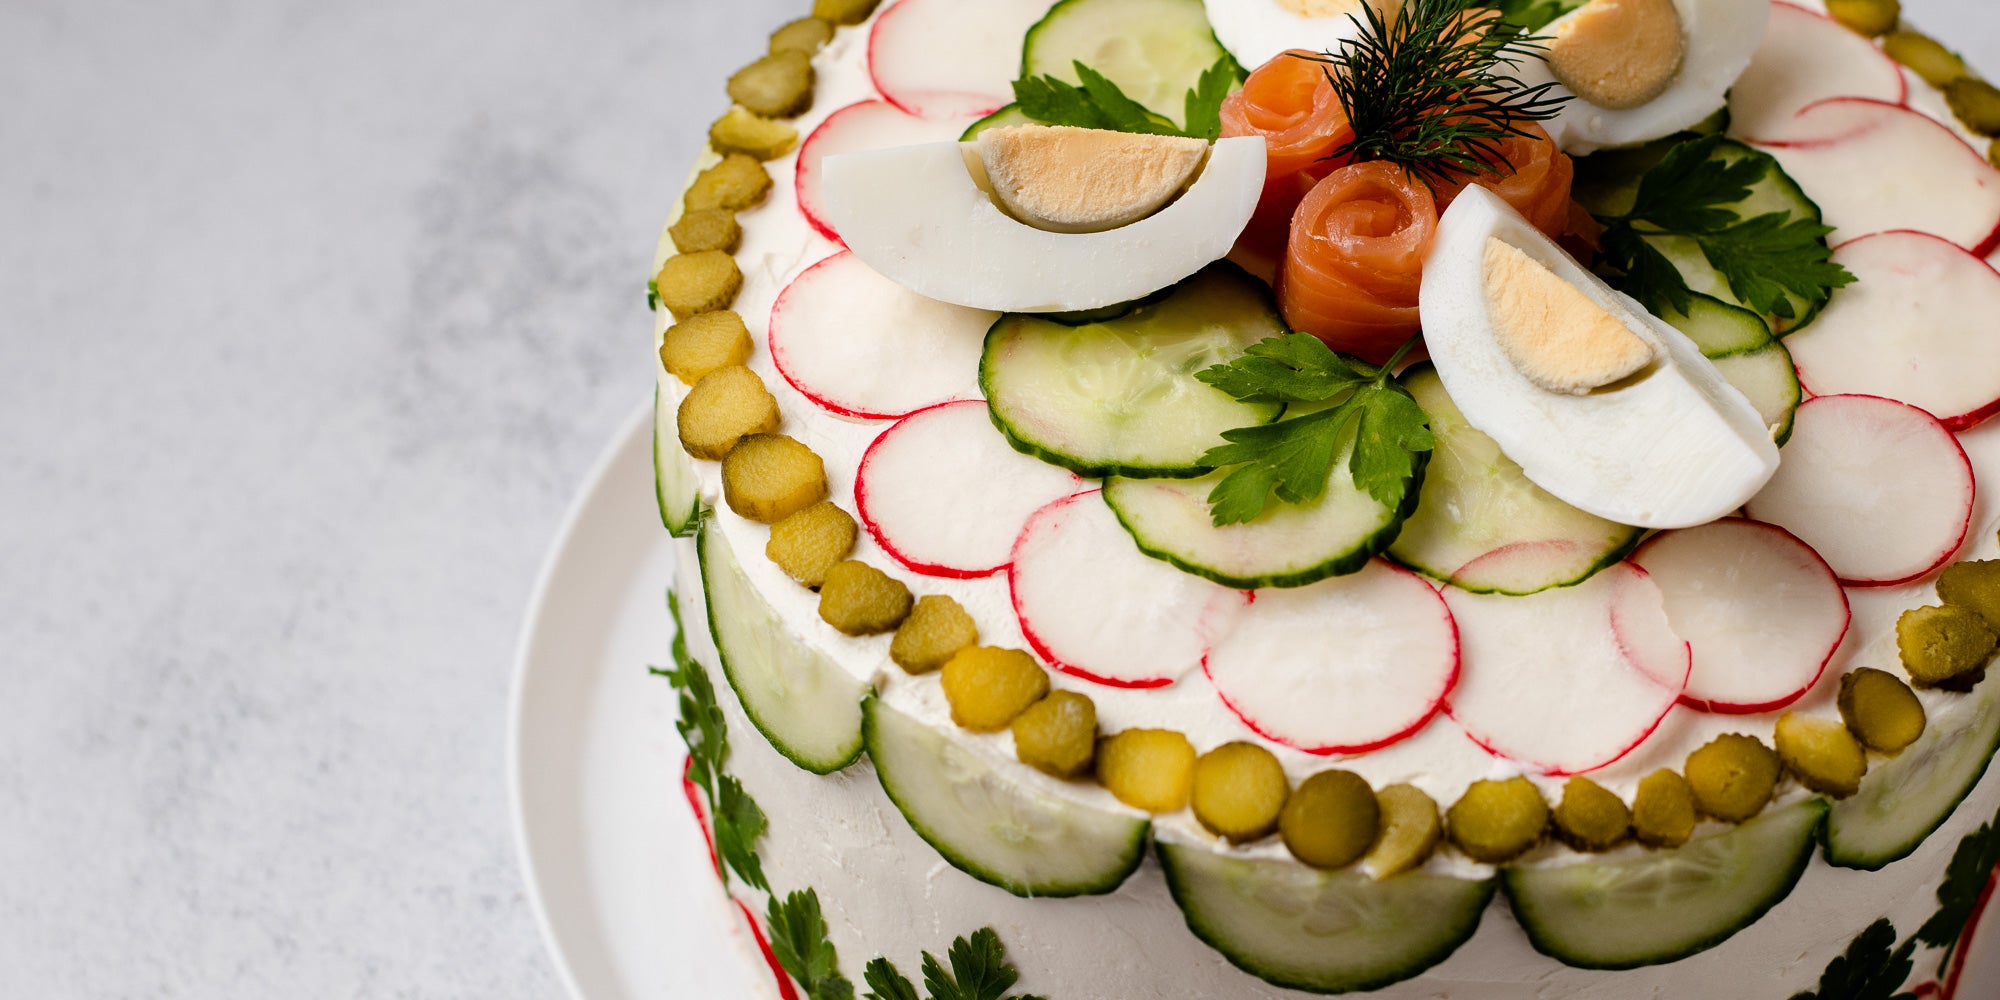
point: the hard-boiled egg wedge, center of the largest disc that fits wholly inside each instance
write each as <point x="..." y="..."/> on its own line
<point x="1256" y="31"/>
<point x="931" y="217"/>
<point x="1616" y="413"/>
<point x="1642" y="69"/>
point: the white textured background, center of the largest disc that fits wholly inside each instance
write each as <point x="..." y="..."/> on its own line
<point x="312" y="315"/>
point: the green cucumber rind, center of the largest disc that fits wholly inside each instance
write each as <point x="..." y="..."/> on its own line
<point x="1053" y="454"/>
<point x="1877" y="860"/>
<point x="1549" y="943"/>
<point x="1350" y="561"/>
<point x="1009" y="114"/>
<point x="1179" y="886"/>
<point x="1109" y="882"/>
<point x="679" y="515"/>
<point x="844" y="757"/>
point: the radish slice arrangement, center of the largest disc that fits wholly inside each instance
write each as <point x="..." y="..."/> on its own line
<point x="943" y="57"/>
<point x="1806" y="58"/>
<point x="860" y="128"/>
<point x="1874" y="166"/>
<point x="1346" y="665"/>
<point x="946" y="496"/>
<point x="1913" y="327"/>
<point x="1880" y="489"/>
<point x="1567" y="680"/>
<point x="1093" y="606"/>
<point x="1760" y="609"/>
<point x="861" y="345"/>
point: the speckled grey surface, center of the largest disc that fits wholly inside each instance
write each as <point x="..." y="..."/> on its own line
<point x="312" y="316"/>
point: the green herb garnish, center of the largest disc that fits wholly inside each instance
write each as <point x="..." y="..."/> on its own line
<point x="798" y="939"/>
<point x="1098" y="103"/>
<point x="1532" y="15"/>
<point x="734" y="815"/>
<point x="1691" y="193"/>
<point x="652" y="295"/>
<point x="1432" y="92"/>
<point x="1869" y="970"/>
<point x="1965" y="878"/>
<point x="1374" y="421"/>
<point x="979" y="971"/>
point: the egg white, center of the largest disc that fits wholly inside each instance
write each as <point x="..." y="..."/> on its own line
<point x="1256" y="31"/>
<point x="1721" y="35"/>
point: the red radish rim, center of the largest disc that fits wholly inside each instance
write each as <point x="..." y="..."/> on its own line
<point x="1965" y="936"/>
<point x="693" y="793"/>
<point x="1035" y="641"/>
<point x="1957" y="422"/>
<point x="881" y="538"/>
<point x="805" y="168"/>
<point x="875" y="79"/>
<point x="1902" y="81"/>
<point x="1713" y="707"/>
<point x="776" y="345"/>
<point x="1985" y="246"/>
<point x="1964" y="528"/>
<point x="1333" y="749"/>
<point x="785" y="987"/>
<point x="1623" y="651"/>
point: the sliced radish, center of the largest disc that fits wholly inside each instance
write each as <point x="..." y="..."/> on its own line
<point x="1761" y="610"/>
<point x="1880" y="489"/>
<point x="786" y="991"/>
<point x="947" y="57"/>
<point x="860" y="128"/>
<point x="1346" y="665"/>
<point x="861" y="345"/>
<point x="1571" y="679"/>
<point x="1095" y="607"/>
<point x="946" y="495"/>
<point x="1915" y="327"/>
<point x="1805" y="58"/>
<point x="1874" y="166"/>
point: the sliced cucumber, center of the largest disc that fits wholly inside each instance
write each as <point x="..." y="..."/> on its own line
<point x="674" y="481"/>
<point x="1120" y="397"/>
<point x="1476" y="501"/>
<point x="1907" y="797"/>
<point x="1608" y="183"/>
<point x="1719" y="329"/>
<point x="990" y="823"/>
<point x="1287" y="546"/>
<point x="1769" y="380"/>
<point x="1324" y="932"/>
<point x="1746" y="354"/>
<point x="1003" y="118"/>
<point x="1154" y="50"/>
<point x="1643" y="907"/>
<point x="801" y="701"/>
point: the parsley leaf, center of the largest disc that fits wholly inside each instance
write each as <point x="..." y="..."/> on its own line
<point x="798" y="939"/>
<point x="886" y="983"/>
<point x="979" y="970"/>
<point x="1691" y="196"/>
<point x="1958" y="895"/>
<point x="1097" y="102"/>
<point x="1869" y="970"/>
<point x="652" y="295"/>
<point x="735" y="818"/>
<point x="1375" y="423"/>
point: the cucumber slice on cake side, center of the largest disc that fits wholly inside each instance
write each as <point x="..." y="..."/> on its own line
<point x="1476" y="502"/>
<point x="804" y="704"/>
<point x="675" y="484"/>
<point x="1322" y="932"/>
<point x="1640" y="907"/>
<point x="1120" y="397"/>
<point x="1289" y="545"/>
<point x="1154" y="50"/>
<point x="1904" y="799"/>
<point x="990" y="822"/>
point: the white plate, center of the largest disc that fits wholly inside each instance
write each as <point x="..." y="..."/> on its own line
<point x="616" y="868"/>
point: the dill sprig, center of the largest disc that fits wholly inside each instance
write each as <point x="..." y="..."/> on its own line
<point x="1433" y="91"/>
